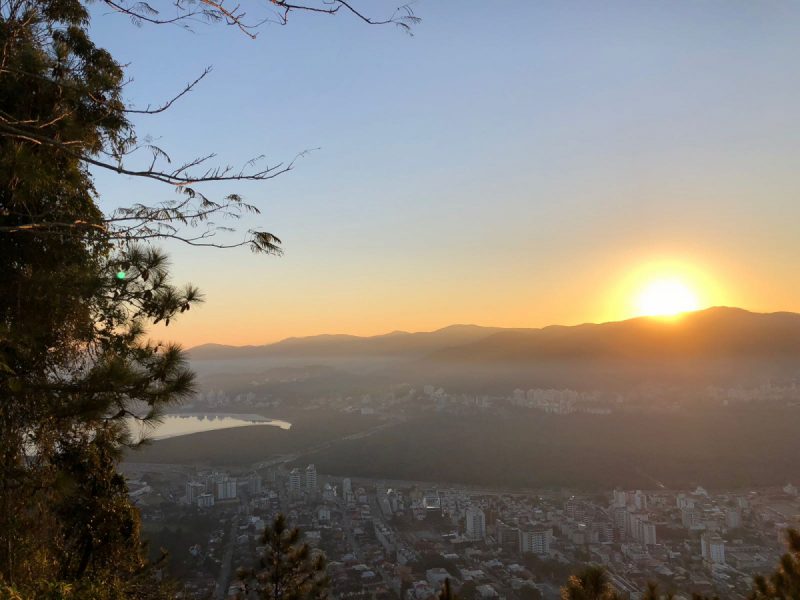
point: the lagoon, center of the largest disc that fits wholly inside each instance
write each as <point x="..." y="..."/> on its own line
<point x="173" y="425"/>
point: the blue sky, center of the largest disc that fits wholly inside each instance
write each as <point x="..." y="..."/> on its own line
<point x="512" y="163"/>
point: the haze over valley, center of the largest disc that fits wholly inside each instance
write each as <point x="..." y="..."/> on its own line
<point x="708" y="397"/>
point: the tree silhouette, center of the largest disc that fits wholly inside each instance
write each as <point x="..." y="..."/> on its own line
<point x="590" y="584"/>
<point x="288" y="569"/>
<point x="79" y="287"/>
<point x="784" y="582"/>
<point x="447" y="593"/>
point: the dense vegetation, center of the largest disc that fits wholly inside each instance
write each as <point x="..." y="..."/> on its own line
<point x="733" y="448"/>
<point x="78" y="288"/>
<point x="73" y="362"/>
<point x="729" y="448"/>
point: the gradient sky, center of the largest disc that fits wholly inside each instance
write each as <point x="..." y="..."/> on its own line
<point x="513" y="163"/>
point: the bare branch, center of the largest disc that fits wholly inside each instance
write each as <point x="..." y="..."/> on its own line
<point x="180" y="176"/>
<point x="215" y="11"/>
<point x="168" y="103"/>
<point x="403" y="16"/>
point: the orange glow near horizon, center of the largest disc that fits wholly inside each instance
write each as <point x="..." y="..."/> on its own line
<point x="622" y="289"/>
<point x="666" y="297"/>
<point x="668" y="288"/>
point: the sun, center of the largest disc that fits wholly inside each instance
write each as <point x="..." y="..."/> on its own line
<point x="666" y="297"/>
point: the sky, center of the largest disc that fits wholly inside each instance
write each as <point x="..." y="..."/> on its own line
<point x="512" y="164"/>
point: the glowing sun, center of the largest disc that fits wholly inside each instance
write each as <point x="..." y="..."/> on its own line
<point x="666" y="297"/>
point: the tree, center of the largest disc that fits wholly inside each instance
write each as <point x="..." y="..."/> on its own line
<point x="288" y="568"/>
<point x="784" y="582"/>
<point x="78" y="289"/>
<point x="652" y="593"/>
<point x="446" y="593"/>
<point x="73" y="364"/>
<point x="590" y="584"/>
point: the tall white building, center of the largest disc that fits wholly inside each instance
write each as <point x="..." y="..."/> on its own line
<point x="712" y="547"/>
<point x="648" y="534"/>
<point x="205" y="500"/>
<point x="476" y="523"/>
<point x="193" y="491"/>
<point x="535" y="540"/>
<point x="254" y="483"/>
<point x="690" y="517"/>
<point x="311" y="478"/>
<point x="225" y="489"/>
<point x="296" y="481"/>
<point x="633" y="524"/>
<point x="347" y="490"/>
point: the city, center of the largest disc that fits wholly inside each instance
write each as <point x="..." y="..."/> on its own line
<point x="394" y="539"/>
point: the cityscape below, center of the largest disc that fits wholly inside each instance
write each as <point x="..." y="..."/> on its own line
<point x="690" y="485"/>
<point x="399" y="538"/>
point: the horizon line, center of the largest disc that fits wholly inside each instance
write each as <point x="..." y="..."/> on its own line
<point x="452" y="325"/>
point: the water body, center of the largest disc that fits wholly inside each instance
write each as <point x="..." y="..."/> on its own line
<point x="173" y="425"/>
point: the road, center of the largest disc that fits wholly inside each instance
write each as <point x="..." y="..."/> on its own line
<point x="221" y="589"/>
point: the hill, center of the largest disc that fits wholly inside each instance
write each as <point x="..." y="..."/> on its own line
<point x="397" y="344"/>
<point x="716" y="346"/>
<point x="714" y="332"/>
<point x="719" y="346"/>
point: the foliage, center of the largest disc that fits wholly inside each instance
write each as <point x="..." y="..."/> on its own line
<point x="652" y="593"/>
<point x="75" y="366"/>
<point x="590" y="584"/>
<point x="77" y="290"/>
<point x="288" y="568"/>
<point x="446" y="593"/>
<point x="784" y="582"/>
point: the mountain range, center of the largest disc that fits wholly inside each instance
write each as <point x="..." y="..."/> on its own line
<point x="715" y="345"/>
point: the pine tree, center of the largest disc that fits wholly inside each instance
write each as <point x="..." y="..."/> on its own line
<point x="784" y="582"/>
<point x="590" y="584"/>
<point x="78" y="289"/>
<point x="288" y="569"/>
<point x="446" y="593"/>
<point x="73" y="365"/>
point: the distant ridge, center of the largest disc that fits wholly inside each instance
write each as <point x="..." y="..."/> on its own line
<point x="397" y="344"/>
<point x="718" y="331"/>
<point x="713" y="332"/>
<point x="719" y="346"/>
